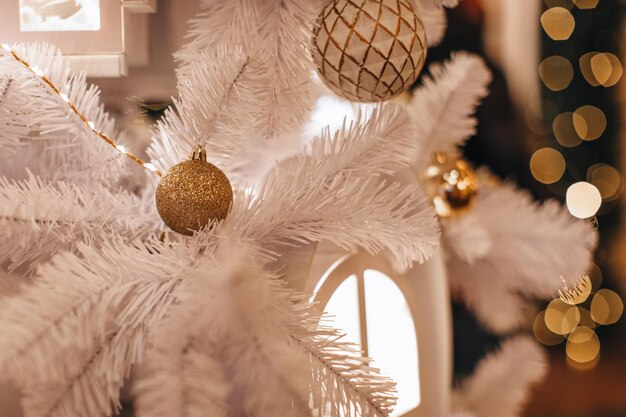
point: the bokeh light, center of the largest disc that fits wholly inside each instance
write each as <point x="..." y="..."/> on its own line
<point x="558" y="23"/>
<point x="561" y="318"/>
<point x="583" y="200"/>
<point x="586" y="4"/>
<point x="606" y="307"/>
<point x="585" y="318"/>
<point x="564" y="131"/>
<point x="547" y="165"/>
<point x="583" y="345"/>
<point x="543" y="334"/>
<point x="556" y="73"/>
<point x="601" y="69"/>
<point x="606" y="179"/>
<point x="595" y="275"/>
<point x="589" y="122"/>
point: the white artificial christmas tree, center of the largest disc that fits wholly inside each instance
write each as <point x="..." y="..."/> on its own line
<point x="208" y="321"/>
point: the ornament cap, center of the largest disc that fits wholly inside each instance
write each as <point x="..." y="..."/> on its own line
<point x="198" y="153"/>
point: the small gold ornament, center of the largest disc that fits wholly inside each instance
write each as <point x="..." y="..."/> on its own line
<point x="451" y="184"/>
<point x="193" y="194"/>
<point x="369" y="50"/>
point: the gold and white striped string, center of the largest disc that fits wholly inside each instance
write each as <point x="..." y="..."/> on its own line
<point x="121" y="149"/>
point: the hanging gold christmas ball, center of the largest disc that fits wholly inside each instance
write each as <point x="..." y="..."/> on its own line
<point x="451" y="184"/>
<point x="369" y="50"/>
<point x="193" y="194"/>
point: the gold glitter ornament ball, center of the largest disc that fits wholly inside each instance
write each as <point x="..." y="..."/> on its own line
<point x="193" y="194"/>
<point x="369" y="50"/>
<point x="451" y="184"/>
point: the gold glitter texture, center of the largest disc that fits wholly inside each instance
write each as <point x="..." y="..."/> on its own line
<point x="369" y="50"/>
<point x="193" y="194"/>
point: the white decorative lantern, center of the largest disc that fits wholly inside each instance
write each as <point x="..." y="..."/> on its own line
<point x="106" y="36"/>
<point x="401" y="321"/>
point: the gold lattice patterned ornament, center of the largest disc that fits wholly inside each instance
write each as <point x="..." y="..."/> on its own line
<point x="369" y="50"/>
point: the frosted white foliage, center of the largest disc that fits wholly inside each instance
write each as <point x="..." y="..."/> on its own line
<point x="434" y="19"/>
<point x="221" y="23"/>
<point x="301" y="200"/>
<point x="203" y="111"/>
<point x="284" y="51"/>
<point x="534" y="247"/>
<point x="78" y="329"/>
<point x="501" y="383"/>
<point x="41" y="218"/>
<point x="467" y="238"/>
<point x="275" y="39"/>
<point x="38" y="131"/>
<point x="443" y="107"/>
<point x="70" y="351"/>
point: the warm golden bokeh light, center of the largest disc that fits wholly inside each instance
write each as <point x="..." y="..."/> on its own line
<point x="558" y="23"/>
<point x="603" y="69"/>
<point x="547" y="165"/>
<point x="606" y="179"/>
<point x="582" y="366"/>
<point x="543" y="334"/>
<point x="589" y="122"/>
<point x="586" y="4"/>
<point x="595" y="275"/>
<point x="583" y="200"/>
<point x="564" y="131"/>
<point x="585" y="318"/>
<point x="606" y="307"/>
<point x="583" y="345"/>
<point x="561" y="318"/>
<point x="556" y="72"/>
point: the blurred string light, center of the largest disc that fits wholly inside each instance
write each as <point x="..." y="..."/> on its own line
<point x="601" y="69"/>
<point x="547" y="165"/>
<point x="583" y="200"/>
<point x="558" y="23"/>
<point x="579" y="311"/>
<point x="556" y="72"/>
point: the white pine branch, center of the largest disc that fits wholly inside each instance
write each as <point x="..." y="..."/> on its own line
<point x="335" y="193"/>
<point x="275" y="91"/>
<point x="79" y="328"/>
<point x="40" y="219"/>
<point x="466" y="237"/>
<point x="222" y="23"/>
<point x="500" y="386"/>
<point x="287" y="96"/>
<point x="560" y="247"/>
<point x="279" y="358"/>
<point x="338" y="370"/>
<point x="203" y="113"/>
<point x="181" y="375"/>
<point x="39" y="132"/>
<point x="443" y="107"/>
<point x="240" y="327"/>
<point x="433" y="17"/>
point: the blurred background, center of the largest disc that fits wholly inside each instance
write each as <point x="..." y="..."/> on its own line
<point x="552" y="124"/>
